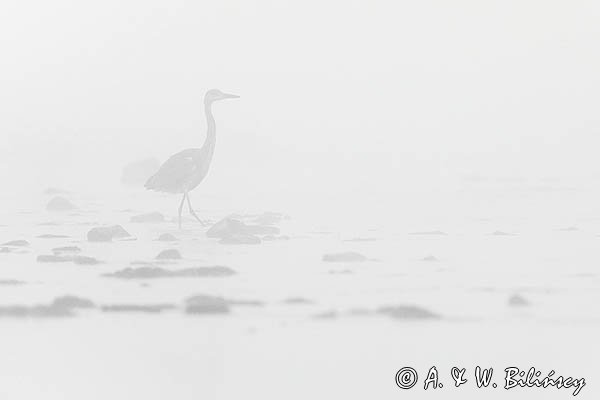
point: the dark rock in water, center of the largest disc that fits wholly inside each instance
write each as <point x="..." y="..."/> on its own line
<point x="297" y="300"/>
<point x="517" y="300"/>
<point x="167" y="237"/>
<point x="430" y="259"/>
<point x="428" y="233"/>
<point x="39" y="311"/>
<point x="348" y="256"/>
<point x="229" y="227"/>
<point x="16" y="243"/>
<point x="201" y="301"/>
<point x="169" y="254"/>
<point x="138" y="172"/>
<point x="157" y="272"/>
<point x="145" y="308"/>
<point x="67" y="257"/>
<point x="407" y="312"/>
<point x="107" y="233"/>
<point x="251" y="303"/>
<point x="66" y="249"/>
<point x="11" y="282"/>
<point x="52" y="236"/>
<point x="54" y="191"/>
<point x="84" y="260"/>
<point x="152" y="217"/>
<point x="71" y="302"/>
<point x="240" y="239"/>
<point x="204" y="304"/>
<point x="59" y="203"/>
<point x="225" y="228"/>
<point x="53" y="258"/>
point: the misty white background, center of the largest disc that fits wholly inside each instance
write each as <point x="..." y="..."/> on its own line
<point x="365" y="103"/>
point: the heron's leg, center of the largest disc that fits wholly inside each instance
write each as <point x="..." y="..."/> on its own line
<point x="204" y="223"/>
<point x="181" y="207"/>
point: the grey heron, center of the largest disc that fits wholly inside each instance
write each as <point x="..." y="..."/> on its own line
<point x="184" y="171"/>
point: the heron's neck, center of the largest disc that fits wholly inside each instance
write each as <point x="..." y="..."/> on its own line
<point x="211" y="127"/>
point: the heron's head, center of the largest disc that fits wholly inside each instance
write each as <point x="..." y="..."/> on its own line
<point x="216" y="94"/>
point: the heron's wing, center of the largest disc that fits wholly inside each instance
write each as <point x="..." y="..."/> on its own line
<point x="174" y="175"/>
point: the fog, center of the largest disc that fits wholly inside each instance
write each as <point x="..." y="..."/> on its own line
<point x="429" y="171"/>
<point x="384" y="97"/>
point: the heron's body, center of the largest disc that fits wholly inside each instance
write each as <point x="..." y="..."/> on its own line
<point x="184" y="171"/>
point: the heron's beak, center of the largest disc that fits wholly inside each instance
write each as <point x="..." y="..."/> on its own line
<point x="230" y="96"/>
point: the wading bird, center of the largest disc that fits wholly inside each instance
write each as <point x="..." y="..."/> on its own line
<point x="184" y="171"/>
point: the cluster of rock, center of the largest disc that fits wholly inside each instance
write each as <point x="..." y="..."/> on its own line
<point x="151" y="272"/>
<point x="67" y="254"/>
<point x="107" y="233"/>
<point x="234" y="231"/>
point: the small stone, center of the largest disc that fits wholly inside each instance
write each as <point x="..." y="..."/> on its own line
<point x="16" y="243"/>
<point x="52" y="236"/>
<point x="169" y="254"/>
<point x="70" y="302"/>
<point x="53" y="258"/>
<point x="407" y="312"/>
<point x="107" y="233"/>
<point x="11" y="282"/>
<point x="229" y="227"/>
<point x="345" y="271"/>
<point x="517" y="300"/>
<point x="251" y="303"/>
<point x="204" y="304"/>
<point x="59" y="203"/>
<point x="144" y="308"/>
<point x="39" y="311"/>
<point x="157" y="272"/>
<point x="84" y="260"/>
<point x="225" y="228"/>
<point x="502" y="233"/>
<point x="297" y="300"/>
<point x="166" y="237"/>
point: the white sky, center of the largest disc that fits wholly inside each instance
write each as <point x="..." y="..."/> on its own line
<point x="355" y="96"/>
